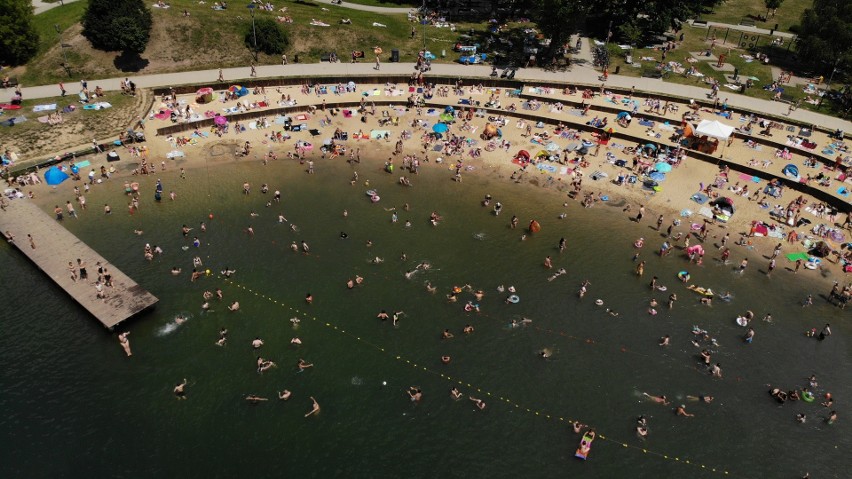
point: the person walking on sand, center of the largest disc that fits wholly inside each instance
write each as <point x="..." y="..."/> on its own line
<point x="641" y="213"/>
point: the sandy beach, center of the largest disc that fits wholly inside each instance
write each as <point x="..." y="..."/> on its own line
<point x="672" y="201"/>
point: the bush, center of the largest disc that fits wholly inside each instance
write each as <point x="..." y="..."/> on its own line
<point x="18" y="37"/>
<point x="271" y="38"/>
<point x="117" y="25"/>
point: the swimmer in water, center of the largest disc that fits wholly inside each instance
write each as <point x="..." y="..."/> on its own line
<point x="701" y="398"/>
<point x="296" y="341"/>
<point x="180" y="390"/>
<point x="657" y="399"/>
<point x="611" y="312"/>
<point x="455" y="393"/>
<point x="255" y="399"/>
<point x="546" y="353"/>
<point x="480" y="404"/>
<point x="125" y="343"/>
<point x="179" y="319"/>
<point x="664" y="341"/>
<point x="523" y="322"/>
<point x="235" y="306"/>
<point x="175" y="271"/>
<point x="302" y="365"/>
<point x="430" y="288"/>
<point x="378" y="260"/>
<point x="415" y="394"/>
<point x="284" y="395"/>
<point x="578" y="427"/>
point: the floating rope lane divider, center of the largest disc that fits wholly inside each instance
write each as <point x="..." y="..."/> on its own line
<point x="479" y="390"/>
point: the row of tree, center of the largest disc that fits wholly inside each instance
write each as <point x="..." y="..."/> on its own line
<point x="825" y="38"/>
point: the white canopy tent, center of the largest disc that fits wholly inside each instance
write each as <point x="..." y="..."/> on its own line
<point x="714" y="128"/>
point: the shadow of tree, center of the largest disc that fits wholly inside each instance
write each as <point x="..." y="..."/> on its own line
<point x="130" y="62"/>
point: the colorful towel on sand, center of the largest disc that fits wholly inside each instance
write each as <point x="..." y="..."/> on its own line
<point x="378" y="134"/>
<point x="797" y="256"/>
<point x="699" y="198"/>
<point x="49" y="107"/>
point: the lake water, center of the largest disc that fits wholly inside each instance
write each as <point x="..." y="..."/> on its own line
<point x="75" y="406"/>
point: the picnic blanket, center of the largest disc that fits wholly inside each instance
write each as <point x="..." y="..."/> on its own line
<point x="378" y="134"/>
<point x="49" y="107"/>
<point x="14" y="121"/>
<point x="699" y="198"/>
<point x="706" y="212"/>
<point x="545" y="167"/>
<point x="83" y="163"/>
<point x="175" y="154"/>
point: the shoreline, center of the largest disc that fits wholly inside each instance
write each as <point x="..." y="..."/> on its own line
<point x="670" y="202"/>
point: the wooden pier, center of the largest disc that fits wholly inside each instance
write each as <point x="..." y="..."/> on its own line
<point x="55" y="246"/>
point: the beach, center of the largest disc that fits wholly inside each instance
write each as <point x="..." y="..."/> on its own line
<point x="598" y="368"/>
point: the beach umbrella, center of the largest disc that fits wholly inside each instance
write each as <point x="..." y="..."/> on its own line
<point x="663" y="167"/>
<point x="651" y="146"/>
<point x="440" y="128"/>
<point x="446" y="117"/>
<point x="657" y="176"/>
<point x="449" y="109"/>
<point x="621" y="115"/>
<point x="54" y="176"/>
<point x="524" y="154"/>
<point x="220" y="120"/>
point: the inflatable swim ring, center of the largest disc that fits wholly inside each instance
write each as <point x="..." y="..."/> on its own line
<point x="812" y="265"/>
<point x="639" y="243"/>
<point x="514" y="299"/>
<point x="599" y="302"/>
<point x="375" y="198"/>
<point x="742" y="321"/>
<point x="662" y="288"/>
<point x="808" y="396"/>
<point x="371" y="193"/>
<point x="683" y="276"/>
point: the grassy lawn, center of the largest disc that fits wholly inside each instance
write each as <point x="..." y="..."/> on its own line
<point x="209" y="39"/>
<point x="732" y="11"/>
<point x="388" y="3"/>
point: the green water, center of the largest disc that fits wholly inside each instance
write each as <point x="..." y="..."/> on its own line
<point x="75" y="406"/>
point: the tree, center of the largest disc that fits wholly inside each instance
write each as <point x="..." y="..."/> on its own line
<point x="825" y="38"/>
<point x="118" y="25"/>
<point x="631" y="32"/>
<point x="557" y="20"/>
<point x="18" y="37"/>
<point x="271" y="38"/>
<point x="772" y="5"/>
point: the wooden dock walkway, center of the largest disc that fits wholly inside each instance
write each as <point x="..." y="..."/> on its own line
<point x="55" y="246"/>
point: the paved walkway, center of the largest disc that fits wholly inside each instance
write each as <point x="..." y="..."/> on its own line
<point x="41" y="7"/>
<point x="370" y="8"/>
<point x="744" y="28"/>
<point x="579" y="74"/>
